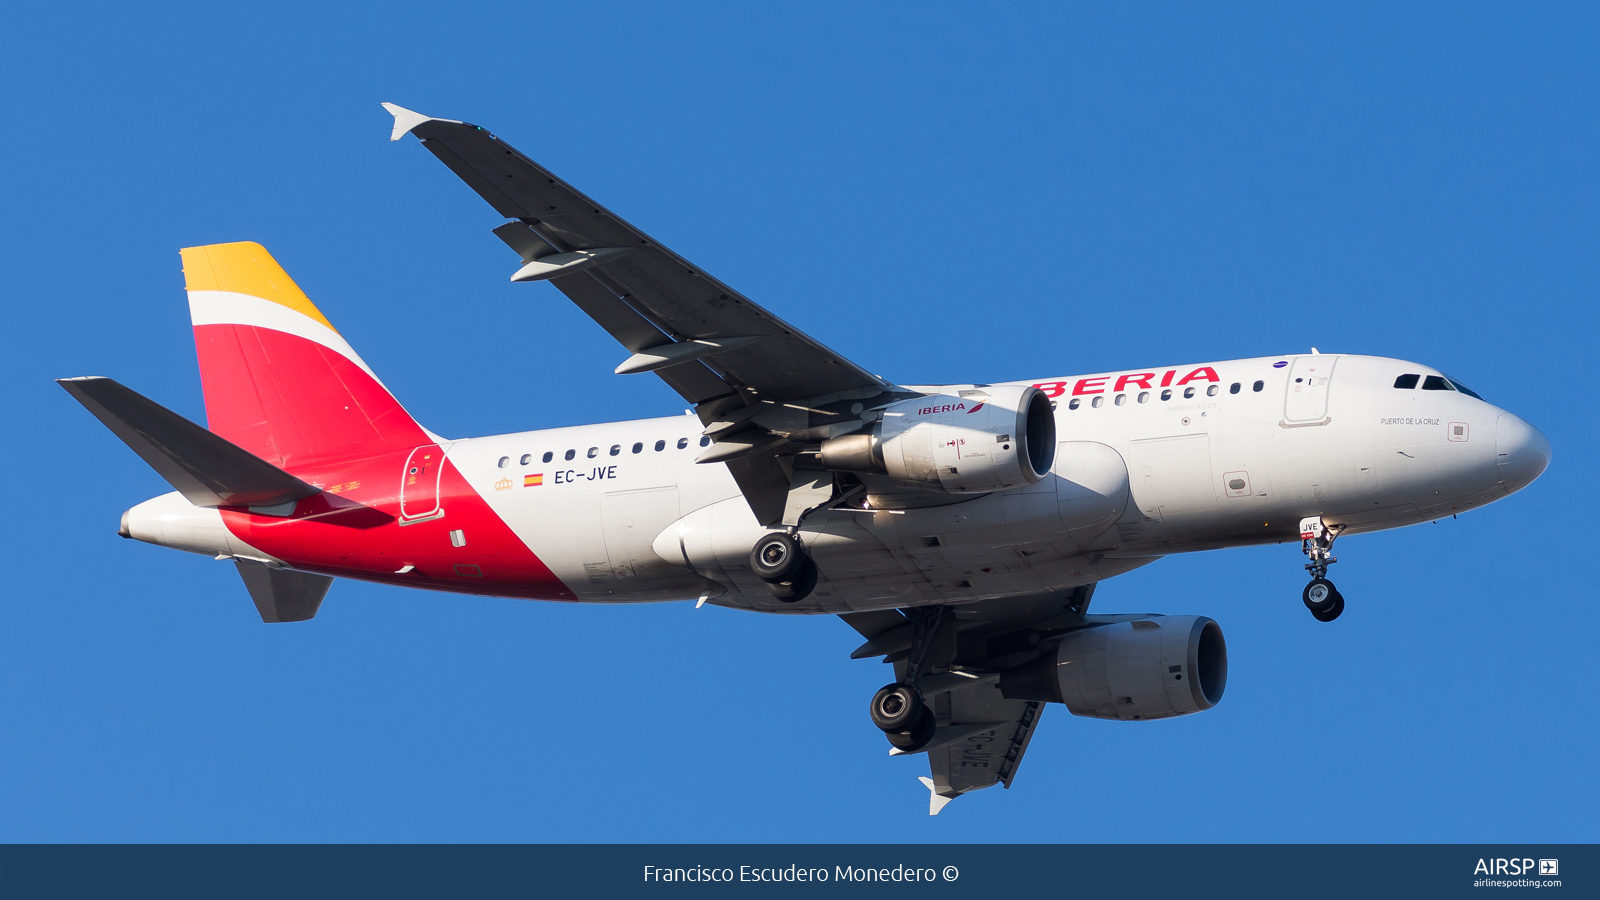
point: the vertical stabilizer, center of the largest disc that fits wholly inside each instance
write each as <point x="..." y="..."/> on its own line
<point x="279" y="381"/>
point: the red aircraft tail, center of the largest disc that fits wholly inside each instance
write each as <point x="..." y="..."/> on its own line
<point x="279" y="381"/>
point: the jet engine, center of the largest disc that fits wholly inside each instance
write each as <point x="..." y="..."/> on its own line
<point x="960" y="441"/>
<point x="1150" y="668"/>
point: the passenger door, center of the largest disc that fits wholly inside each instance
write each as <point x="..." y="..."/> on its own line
<point x="1306" y="400"/>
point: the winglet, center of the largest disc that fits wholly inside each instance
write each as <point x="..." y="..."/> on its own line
<point x="404" y="120"/>
<point x="936" y="801"/>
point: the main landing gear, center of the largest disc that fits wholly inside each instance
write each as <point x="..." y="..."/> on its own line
<point x="780" y="561"/>
<point x="898" y="709"/>
<point x="1316" y="542"/>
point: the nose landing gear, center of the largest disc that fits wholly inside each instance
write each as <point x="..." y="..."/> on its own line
<point x="1316" y="542"/>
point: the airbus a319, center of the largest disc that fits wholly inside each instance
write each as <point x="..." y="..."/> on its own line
<point x="961" y="529"/>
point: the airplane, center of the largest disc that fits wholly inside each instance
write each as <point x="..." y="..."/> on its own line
<point x="960" y="529"/>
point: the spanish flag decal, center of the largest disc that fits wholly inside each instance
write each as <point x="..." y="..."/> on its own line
<point x="533" y="480"/>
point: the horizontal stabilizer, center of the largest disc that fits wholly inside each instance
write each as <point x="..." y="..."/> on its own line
<point x="205" y="468"/>
<point x="283" y="595"/>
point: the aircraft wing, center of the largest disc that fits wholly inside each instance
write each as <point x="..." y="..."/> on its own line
<point x="981" y="736"/>
<point x="648" y="297"/>
<point x="710" y="343"/>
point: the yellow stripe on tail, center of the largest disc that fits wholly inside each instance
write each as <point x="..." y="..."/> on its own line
<point x="246" y="267"/>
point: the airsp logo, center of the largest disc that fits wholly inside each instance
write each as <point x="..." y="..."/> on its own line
<point x="1516" y="867"/>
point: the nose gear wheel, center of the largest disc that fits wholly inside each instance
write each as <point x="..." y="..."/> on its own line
<point x="1316" y="542"/>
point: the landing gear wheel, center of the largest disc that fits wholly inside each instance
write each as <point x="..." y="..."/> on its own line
<point x="897" y="708"/>
<point x="777" y="557"/>
<point x="798" y="589"/>
<point x="1318" y="596"/>
<point x="1333" y="610"/>
<point x="917" y="738"/>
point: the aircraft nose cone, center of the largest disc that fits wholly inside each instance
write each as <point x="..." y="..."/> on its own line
<point x="1522" y="451"/>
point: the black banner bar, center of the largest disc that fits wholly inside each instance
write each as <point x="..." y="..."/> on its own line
<point x="643" y="870"/>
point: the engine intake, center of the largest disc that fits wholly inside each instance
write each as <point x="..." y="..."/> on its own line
<point x="1151" y="668"/>
<point x="959" y="441"/>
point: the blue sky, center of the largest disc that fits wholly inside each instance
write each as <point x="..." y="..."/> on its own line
<point x="943" y="193"/>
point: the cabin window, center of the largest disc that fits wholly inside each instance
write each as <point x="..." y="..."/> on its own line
<point x="1406" y="382"/>
<point x="638" y="448"/>
<point x="1258" y="386"/>
<point x="593" y="452"/>
<point x="705" y="441"/>
<point x="527" y="458"/>
<point x="1144" y="396"/>
<point x="1122" y="399"/>
<point x="616" y="449"/>
<point x="1188" y="393"/>
<point x="682" y="443"/>
<point x="1466" y="390"/>
<point x="547" y="456"/>
<point x="504" y="460"/>
<point x="1098" y="402"/>
<point x="660" y="446"/>
<point x="1212" y="390"/>
<point x="1166" y="395"/>
<point x="571" y="454"/>
<point x="1074" y="403"/>
<point x="1435" y="383"/>
<point x="1233" y="388"/>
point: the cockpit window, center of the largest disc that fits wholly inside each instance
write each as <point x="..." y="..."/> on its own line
<point x="1406" y="382"/>
<point x="1435" y="383"/>
<point x="1465" y="390"/>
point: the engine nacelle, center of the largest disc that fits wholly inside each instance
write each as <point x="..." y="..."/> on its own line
<point x="1151" y="668"/>
<point x="960" y="441"/>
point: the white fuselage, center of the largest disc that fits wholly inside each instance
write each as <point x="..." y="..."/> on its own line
<point x="1143" y="474"/>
